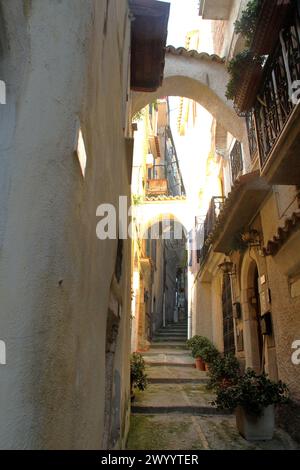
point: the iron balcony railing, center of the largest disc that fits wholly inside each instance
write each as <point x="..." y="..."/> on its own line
<point x="236" y="161"/>
<point x="250" y="122"/>
<point x="157" y="172"/>
<point x="208" y="225"/>
<point x="274" y="103"/>
<point x="157" y="182"/>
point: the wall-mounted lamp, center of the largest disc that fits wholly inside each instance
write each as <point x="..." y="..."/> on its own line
<point x="228" y="267"/>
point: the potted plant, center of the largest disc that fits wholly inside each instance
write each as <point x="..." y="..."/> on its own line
<point x="224" y="371"/>
<point x="245" y="71"/>
<point x="253" y="398"/>
<point x="209" y="354"/>
<point x="246" y="24"/>
<point x="202" y="350"/>
<point x="138" y="378"/>
<point x="261" y="22"/>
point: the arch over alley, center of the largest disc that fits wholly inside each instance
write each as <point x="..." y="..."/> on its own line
<point x="158" y="209"/>
<point x="200" y="77"/>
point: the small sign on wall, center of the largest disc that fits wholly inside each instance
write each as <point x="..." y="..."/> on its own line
<point x="2" y="353"/>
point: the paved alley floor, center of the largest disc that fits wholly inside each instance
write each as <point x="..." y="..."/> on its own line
<point x="175" y="411"/>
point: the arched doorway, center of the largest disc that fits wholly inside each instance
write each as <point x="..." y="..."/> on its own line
<point x="251" y="309"/>
<point x="228" y="324"/>
<point x="256" y="302"/>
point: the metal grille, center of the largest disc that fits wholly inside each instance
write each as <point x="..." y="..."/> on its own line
<point x="250" y="121"/>
<point x="274" y="104"/>
<point x="236" y="161"/>
<point x="228" y="327"/>
<point x="215" y="206"/>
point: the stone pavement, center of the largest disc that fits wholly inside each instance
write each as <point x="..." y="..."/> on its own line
<point x="174" y="412"/>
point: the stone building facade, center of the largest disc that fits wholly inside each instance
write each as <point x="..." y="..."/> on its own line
<point x="66" y="149"/>
<point x="250" y="253"/>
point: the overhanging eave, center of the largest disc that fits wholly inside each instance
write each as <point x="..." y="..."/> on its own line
<point x="240" y="207"/>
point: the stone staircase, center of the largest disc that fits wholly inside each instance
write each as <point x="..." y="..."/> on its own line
<point x="175" y="411"/>
<point x="168" y="347"/>
<point x="175" y="386"/>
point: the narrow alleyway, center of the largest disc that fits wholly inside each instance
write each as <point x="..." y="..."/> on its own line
<point x="175" y="411"/>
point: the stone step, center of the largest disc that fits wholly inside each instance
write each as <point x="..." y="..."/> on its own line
<point x="169" y="364"/>
<point x="175" y="325"/>
<point x="165" y="345"/>
<point x="178" y="338"/>
<point x="180" y="326"/>
<point x="168" y="339"/>
<point x="170" y="330"/>
<point x="184" y="397"/>
<point x="167" y="380"/>
<point x="173" y="329"/>
<point x="191" y="410"/>
<point x="175" y="374"/>
<point x="171" y="352"/>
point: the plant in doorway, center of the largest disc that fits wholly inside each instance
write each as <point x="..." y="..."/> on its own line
<point x="138" y="377"/>
<point x="253" y="398"/>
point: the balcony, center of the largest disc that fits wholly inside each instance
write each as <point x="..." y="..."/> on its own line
<point x="208" y="226"/>
<point x="215" y="9"/>
<point x="148" y="40"/>
<point x="157" y="183"/>
<point x="277" y="111"/>
<point x="239" y="208"/>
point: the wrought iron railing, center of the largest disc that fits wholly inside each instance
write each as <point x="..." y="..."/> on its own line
<point x="274" y="103"/>
<point x="157" y="172"/>
<point x="250" y="121"/>
<point x="236" y="161"/>
<point x="215" y="207"/>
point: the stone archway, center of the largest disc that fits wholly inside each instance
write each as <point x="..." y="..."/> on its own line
<point x="200" y="77"/>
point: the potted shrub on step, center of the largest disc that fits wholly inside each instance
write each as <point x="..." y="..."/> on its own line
<point x="224" y="371"/>
<point x="253" y="397"/>
<point x="202" y="350"/>
<point x="138" y="378"/>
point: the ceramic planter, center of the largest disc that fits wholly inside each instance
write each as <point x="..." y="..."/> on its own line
<point x="200" y="364"/>
<point x="256" y="428"/>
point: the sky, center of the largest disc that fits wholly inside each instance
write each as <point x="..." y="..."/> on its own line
<point x="183" y="18"/>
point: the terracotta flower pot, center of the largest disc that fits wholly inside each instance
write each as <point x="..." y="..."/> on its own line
<point x="200" y="364"/>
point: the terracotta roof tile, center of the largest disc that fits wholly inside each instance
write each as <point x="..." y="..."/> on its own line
<point x="283" y="233"/>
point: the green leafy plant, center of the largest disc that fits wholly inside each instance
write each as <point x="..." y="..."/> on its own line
<point x="138" y="377"/>
<point x="201" y="346"/>
<point x="224" y="371"/>
<point x="209" y="354"/>
<point x="236" y="69"/>
<point x="246" y="24"/>
<point x="253" y="392"/>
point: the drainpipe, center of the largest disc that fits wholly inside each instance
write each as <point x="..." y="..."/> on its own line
<point x="164" y="310"/>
